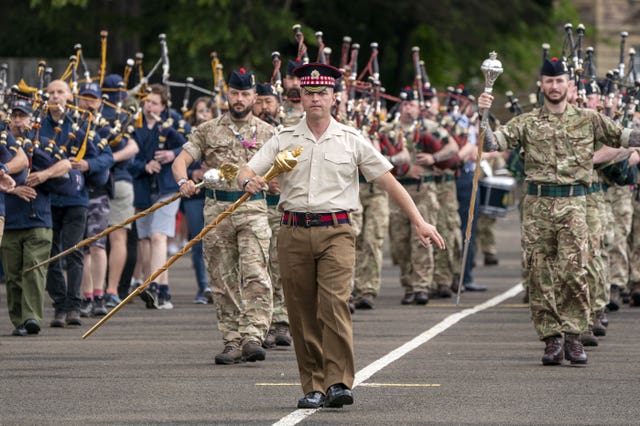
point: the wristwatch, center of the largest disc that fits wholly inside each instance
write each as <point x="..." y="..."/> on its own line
<point x="181" y="182"/>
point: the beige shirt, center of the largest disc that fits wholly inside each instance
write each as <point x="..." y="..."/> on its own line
<point x="326" y="176"/>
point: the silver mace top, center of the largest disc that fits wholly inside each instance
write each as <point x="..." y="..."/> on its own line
<point x="491" y="68"/>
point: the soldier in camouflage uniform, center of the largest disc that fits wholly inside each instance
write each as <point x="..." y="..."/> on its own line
<point x="237" y="250"/>
<point x="292" y="108"/>
<point x="422" y="139"/>
<point x="373" y="216"/>
<point x="558" y="142"/>
<point x="634" y="252"/>
<point x="620" y="199"/>
<point x="267" y="108"/>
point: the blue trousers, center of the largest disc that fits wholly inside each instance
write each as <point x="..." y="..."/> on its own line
<point x="193" y="210"/>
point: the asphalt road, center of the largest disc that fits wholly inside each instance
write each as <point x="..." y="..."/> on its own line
<point x="477" y="363"/>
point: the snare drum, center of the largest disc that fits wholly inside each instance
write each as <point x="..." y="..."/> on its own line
<point x="497" y="196"/>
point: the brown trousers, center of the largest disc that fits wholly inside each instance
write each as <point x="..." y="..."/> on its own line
<point x="316" y="266"/>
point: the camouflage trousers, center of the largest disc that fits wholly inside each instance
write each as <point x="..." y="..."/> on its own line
<point x="237" y="255"/>
<point x="416" y="262"/>
<point x="620" y="199"/>
<point x="554" y="233"/>
<point x="595" y="266"/>
<point x="634" y="242"/>
<point x="279" y="307"/>
<point x="369" y="242"/>
<point x="486" y="235"/>
<point x="447" y="262"/>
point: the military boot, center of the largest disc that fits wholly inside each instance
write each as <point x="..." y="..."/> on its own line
<point x="552" y="351"/>
<point x="602" y="317"/>
<point x="444" y="291"/>
<point x="598" y="327"/>
<point x="269" y="341"/>
<point x="588" y="338"/>
<point x="230" y="355"/>
<point x="283" y="336"/>
<point x="634" y="295"/>
<point x="490" y="259"/>
<point x="614" y="301"/>
<point x="573" y="349"/>
<point x="252" y="351"/>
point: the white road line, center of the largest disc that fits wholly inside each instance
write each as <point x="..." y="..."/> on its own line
<point x="364" y="374"/>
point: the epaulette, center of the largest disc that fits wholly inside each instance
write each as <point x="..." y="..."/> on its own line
<point x="352" y="130"/>
<point x="286" y="130"/>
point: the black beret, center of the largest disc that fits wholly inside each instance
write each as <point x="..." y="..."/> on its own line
<point x="265" y="89"/>
<point x="407" y="94"/>
<point x="292" y="65"/>
<point x="591" y="87"/>
<point x="554" y="67"/>
<point x="241" y="80"/>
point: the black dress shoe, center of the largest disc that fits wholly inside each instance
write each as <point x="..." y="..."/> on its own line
<point x="337" y="396"/>
<point x="475" y="287"/>
<point x="422" y="297"/>
<point x="32" y="326"/>
<point x="20" y="331"/>
<point x="311" y="400"/>
<point x="408" y="299"/>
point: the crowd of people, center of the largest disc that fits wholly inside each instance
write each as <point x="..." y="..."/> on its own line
<point x="293" y="263"/>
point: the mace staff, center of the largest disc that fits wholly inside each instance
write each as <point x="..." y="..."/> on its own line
<point x="491" y="68"/>
<point x="210" y="178"/>
<point x="285" y="161"/>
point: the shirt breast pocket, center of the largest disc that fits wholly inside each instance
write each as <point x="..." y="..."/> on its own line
<point x="338" y="167"/>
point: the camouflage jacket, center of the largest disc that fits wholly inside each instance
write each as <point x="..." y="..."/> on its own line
<point x="558" y="148"/>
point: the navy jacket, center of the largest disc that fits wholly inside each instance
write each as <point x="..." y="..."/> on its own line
<point x="144" y="184"/>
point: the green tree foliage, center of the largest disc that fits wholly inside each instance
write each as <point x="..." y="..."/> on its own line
<point x="454" y="36"/>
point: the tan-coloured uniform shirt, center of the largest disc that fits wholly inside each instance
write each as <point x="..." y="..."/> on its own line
<point x="326" y="176"/>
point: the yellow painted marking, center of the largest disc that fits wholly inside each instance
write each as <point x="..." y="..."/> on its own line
<point x="371" y="385"/>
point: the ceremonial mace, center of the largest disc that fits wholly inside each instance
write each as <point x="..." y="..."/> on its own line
<point x="491" y="68"/>
<point x="211" y="178"/>
<point x="285" y="161"/>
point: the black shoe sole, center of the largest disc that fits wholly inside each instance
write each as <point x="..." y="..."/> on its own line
<point x="57" y="324"/>
<point x="310" y="405"/>
<point x="282" y="342"/>
<point x="259" y="356"/>
<point x="338" y="401"/>
<point x="148" y="299"/>
<point x="225" y="362"/>
<point x="32" y="327"/>
<point x="19" y="332"/>
<point x="554" y="362"/>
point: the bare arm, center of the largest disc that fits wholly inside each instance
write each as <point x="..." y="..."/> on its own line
<point x="607" y="154"/>
<point x="18" y="162"/>
<point x="179" y="170"/>
<point x="426" y="232"/>
<point x="127" y="152"/>
<point x="254" y="183"/>
<point x="56" y="170"/>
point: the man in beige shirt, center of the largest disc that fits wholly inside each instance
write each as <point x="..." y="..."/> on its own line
<point x="316" y="244"/>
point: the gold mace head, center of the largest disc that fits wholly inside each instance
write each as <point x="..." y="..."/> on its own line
<point x="286" y="160"/>
<point x="228" y="172"/>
